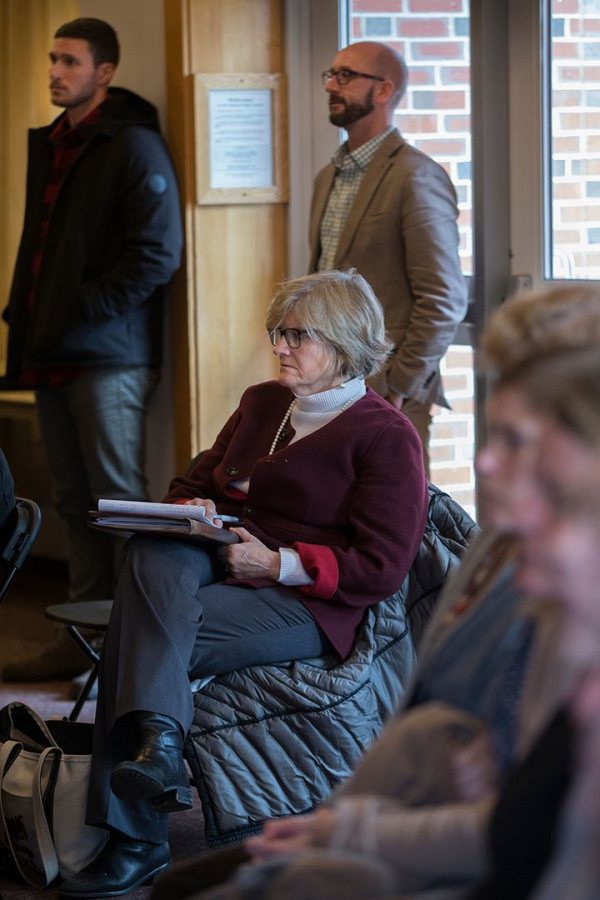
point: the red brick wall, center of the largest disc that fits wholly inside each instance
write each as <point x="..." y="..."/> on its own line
<point x="575" y="142"/>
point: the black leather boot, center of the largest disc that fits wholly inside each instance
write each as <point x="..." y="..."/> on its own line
<point x="157" y="773"/>
<point x="121" y="866"/>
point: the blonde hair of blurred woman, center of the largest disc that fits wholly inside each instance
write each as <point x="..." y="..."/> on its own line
<point x="534" y="324"/>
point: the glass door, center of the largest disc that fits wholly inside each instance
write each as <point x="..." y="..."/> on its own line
<point x="555" y="139"/>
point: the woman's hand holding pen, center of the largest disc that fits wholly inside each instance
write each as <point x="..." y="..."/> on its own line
<point x="210" y="510"/>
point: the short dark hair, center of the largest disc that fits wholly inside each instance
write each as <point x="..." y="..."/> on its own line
<point x="101" y="37"/>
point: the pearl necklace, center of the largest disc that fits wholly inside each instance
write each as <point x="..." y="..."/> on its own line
<point x="289" y="412"/>
<point x="284" y="422"/>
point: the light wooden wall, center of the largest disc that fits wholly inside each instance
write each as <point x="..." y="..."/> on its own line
<point x="235" y="254"/>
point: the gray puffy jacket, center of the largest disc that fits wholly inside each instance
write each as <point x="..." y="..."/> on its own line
<point x="270" y="741"/>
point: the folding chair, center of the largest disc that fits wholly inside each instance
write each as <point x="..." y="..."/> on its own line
<point x="93" y="615"/>
<point x="26" y="521"/>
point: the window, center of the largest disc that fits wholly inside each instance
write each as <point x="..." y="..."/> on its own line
<point x="572" y="153"/>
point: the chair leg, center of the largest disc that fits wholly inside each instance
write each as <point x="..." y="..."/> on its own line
<point x="83" y="644"/>
<point x="91" y="680"/>
<point x="83" y="694"/>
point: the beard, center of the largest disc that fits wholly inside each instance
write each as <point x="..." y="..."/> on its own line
<point x="351" y="111"/>
<point x="65" y="100"/>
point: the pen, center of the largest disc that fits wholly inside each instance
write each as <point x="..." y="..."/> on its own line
<point x="231" y="519"/>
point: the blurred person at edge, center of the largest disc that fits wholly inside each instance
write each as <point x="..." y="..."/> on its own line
<point x="550" y="808"/>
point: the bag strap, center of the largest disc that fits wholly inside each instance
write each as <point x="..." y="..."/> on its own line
<point x="28" y="727"/>
<point x="48" y="860"/>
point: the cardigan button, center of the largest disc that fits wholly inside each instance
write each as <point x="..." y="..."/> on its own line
<point x="249" y="510"/>
<point x="232" y="470"/>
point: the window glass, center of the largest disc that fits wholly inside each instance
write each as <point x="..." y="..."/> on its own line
<point x="573" y="158"/>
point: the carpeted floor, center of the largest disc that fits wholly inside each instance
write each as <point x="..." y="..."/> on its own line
<point x="23" y="629"/>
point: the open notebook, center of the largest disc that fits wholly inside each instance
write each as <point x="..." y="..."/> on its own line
<point x="166" y="519"/>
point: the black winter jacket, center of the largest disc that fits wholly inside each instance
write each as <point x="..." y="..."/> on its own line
<point x="114" y="241"/>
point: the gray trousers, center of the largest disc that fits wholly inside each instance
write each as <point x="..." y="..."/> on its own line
<point x="173" y="620"/>
<point x="93" y="429"/>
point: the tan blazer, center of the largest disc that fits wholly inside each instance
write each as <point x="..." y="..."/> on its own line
<point x="401" y="235"/>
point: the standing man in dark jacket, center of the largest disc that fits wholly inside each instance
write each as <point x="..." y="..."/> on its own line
<point x="102" y="238"/>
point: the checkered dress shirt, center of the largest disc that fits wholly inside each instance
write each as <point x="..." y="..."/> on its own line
<point x="350" y="167"/>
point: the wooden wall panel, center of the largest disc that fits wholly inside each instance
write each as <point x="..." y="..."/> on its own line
<point x="237" y="35"/>
<point x="235" y="254"/>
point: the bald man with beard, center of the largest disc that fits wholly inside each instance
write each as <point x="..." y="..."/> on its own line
<point x="388" y="210"/>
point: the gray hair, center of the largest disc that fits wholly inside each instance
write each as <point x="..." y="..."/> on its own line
<point x="341" y="310"/>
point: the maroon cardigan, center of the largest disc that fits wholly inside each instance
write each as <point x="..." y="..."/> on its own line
<point x="350" y="498"/>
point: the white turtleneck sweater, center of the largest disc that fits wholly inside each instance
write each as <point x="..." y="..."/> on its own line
<point x="309" y="414"/>
<point x="312" y="412"/>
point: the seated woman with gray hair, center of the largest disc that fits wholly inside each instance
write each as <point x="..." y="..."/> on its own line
<point x="327" y="479"/>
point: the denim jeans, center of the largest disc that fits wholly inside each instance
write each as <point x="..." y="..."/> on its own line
<point x="93" y="430"/>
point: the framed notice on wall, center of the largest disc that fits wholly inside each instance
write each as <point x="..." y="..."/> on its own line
<point x="240" y="139"/>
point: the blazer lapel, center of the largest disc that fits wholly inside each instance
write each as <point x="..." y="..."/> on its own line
<point x="376" y="170"/>
<point x="322" y="192"/>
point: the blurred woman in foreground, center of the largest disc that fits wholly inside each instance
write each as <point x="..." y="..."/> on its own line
<point x="560" y="556"/>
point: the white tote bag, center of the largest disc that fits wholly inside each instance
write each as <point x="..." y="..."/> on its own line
<point x="44" y="776"/>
